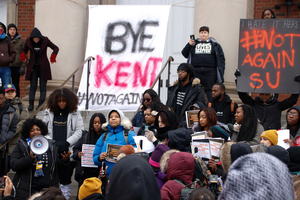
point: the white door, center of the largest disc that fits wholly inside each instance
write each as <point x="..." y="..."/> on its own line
<point x="3" y="11"/>
<point x="180" y="26"/>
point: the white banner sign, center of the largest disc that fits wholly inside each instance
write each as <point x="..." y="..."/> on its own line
<point x="128" y="44"/>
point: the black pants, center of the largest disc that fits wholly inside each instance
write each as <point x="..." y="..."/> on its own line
<point x="65" y="173"/>
<point x="15" y="79"/>
<point x="35" y="74"/>
<point x="207" y="76"/>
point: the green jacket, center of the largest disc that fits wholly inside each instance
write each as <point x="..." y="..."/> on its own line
<point x="18" y="43"/>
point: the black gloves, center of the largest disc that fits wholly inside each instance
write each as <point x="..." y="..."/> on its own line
<point x="297" y="78"/>
<point x="237" y="73"/>
<point x="22" y="71"/>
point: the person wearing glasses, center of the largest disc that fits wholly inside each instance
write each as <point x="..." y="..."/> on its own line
<point x="186" y="92"/>
<point x="149" y="96"/>
<point x="292" y="123"/>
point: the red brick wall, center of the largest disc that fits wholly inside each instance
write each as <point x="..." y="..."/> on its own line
<point x="260" y="5"/>
<point x="25" y="26"/>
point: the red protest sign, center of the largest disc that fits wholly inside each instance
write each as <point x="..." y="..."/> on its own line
<point x="268" y="60"/>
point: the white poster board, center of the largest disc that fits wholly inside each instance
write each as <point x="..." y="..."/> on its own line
<point x="87" y="158"/>
<point x="128" y="44"/>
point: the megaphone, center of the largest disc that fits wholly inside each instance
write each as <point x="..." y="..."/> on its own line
<point x="39" y="145"/>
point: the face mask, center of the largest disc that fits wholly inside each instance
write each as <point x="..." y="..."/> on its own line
<point x="1" y="31"/>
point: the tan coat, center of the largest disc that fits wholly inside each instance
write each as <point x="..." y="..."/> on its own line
<point x="18" y="43"/>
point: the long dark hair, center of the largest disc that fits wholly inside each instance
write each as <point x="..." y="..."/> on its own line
<point x="29" y="123"/>
<point x="67" y="95"/>
<point x="93" y="136"/>
<point x="211" y="116"/>
<point x="272" y="12"/>
<point x="249" y="124"/>
<point x="153" y="95"/>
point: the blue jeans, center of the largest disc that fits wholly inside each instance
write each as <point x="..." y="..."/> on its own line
<point x="5" y="74"/>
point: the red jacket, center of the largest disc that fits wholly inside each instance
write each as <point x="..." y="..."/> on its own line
<point x="180" y="166"/>
<point x="44" y="62"/>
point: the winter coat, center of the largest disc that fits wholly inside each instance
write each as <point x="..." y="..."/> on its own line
<point x="228" y="116"/>
<point x="132" y="178"/>
<point x="19" y="44"/>
<point x="7" y="57"/>
<point x="22" y="116"/>
<point x="44" y="62"/>
<point x="115" y="136"/>
<point x="81" y="173"/>
<point x="21" y="162"/>
<point x="195" y="95"/>
<point x="256" y="139"/>
<point x="180" y="166"/>
<point x="74" y="127"/>
<point x="269" y="114"/>
<point x="8" y="132"/>
<point x="294" y="134"/>
<point x="138" y="119"/>
<point x="94" y="196"/>
<point x="220" y="58"/>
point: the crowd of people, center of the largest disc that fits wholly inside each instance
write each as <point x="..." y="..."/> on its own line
<point x="251" y="164"/>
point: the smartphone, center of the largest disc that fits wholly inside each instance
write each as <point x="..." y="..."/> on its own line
<point x="192" y="37"/>
<point x="141" y="144"/>
<point x="2" y="182"/>
<point x="146" y="127"/>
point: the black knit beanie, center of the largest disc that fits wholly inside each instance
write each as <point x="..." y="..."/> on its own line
<point x="187" y="67"/>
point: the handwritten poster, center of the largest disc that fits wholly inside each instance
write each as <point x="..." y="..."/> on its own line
<point x="87" y="158"/>
<point x="128" y="46"/>
<point x="268" y="55"/>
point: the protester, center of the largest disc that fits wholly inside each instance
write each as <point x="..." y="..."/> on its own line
<point x="8" y="55"/>
<point x="222" y="104"/>
<point x="154" y="162"/>
<point x="65" y="126"/>
<point x="207" y="56"/>
<point x="294" y="154"/>
<point x="247" y="129"/>
<point x="150" y="114"/>
<point x="268" y="14"/>
<point x="180" y="171"/>
<point x="207" y="118"/>
<point x="91" y="137"/>
<point x="132" y="178"/>
<point x="17" y="68"/>
<point x="34" y="172"/>
<point x="279" y="152"/>
<point x="7" y="190"/>
<point x="186" y="92"/>
<point x="180" y="139"/>
<point x="8" y="126"/>
<point x="38" y="65"/>
<point x="165" y="121"/>
<point x="269" y="137"/>
<point x="22" y="112"/>
<point x="149" y="96"/>
<point x="51" y="193"/>
<point x="90" y="189"/>
<point x="201" y="194"/>
<point x="225" y="155"/>
<point x="268" y="108"/>
<point x="293" y="125"/>
<point x="258" y="176"/>
<point x="118" y="133"/>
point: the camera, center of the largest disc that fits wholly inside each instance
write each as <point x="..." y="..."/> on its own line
<point x="214" y="185"/>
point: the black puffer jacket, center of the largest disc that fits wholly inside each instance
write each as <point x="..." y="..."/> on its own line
<point x="195" y="95"/>
<point x="21" y="162"/>
<point x="269" y="114"/>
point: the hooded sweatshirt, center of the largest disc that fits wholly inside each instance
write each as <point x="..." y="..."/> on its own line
<point x="173" y="120"/>
<point x="132" y="178"/>
<point x="35" y="33"/>
<point x="258" y="176"/>
<point x="115" y="136"/>
<point x="295" y="135"/>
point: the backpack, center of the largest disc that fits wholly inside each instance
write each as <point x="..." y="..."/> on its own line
<point x="187" y="190"/>
<point x="125" y="133"/>
<point x="231" y="106"/>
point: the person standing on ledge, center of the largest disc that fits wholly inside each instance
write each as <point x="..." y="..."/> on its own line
<point x="38" y="65"/>
<point x="207" y="56"/>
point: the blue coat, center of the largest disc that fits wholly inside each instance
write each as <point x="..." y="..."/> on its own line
<point x="115" y="136"/>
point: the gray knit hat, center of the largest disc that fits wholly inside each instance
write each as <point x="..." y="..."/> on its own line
<point x="258" y="176"/>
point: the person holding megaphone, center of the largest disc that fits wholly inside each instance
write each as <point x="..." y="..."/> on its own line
<point x="35" y="160"/>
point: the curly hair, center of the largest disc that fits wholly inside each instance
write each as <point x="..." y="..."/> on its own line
<point x="154" y="96"/>
<point x="68" y="96"/>
<point x="249" y="124"/>
<point x="211" y="116"/>
<point x="91" y="138"/>
<point x="29" y="123"/>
